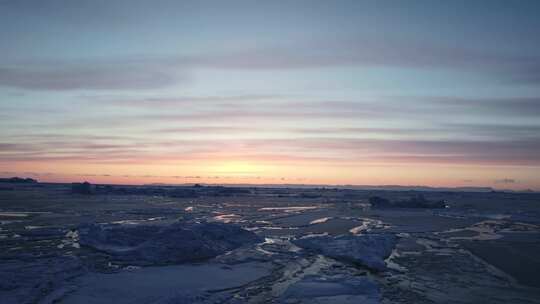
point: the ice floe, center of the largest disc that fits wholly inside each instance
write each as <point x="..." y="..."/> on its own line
<point x="176" y="243"/>
<point x="369" y="250"/>
<point x="172" y="284"/>
<point x="317" y="289"/>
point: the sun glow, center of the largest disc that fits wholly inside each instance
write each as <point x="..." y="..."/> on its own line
<point x="237" y="168"/>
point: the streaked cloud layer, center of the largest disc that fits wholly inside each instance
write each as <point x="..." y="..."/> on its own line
<point x="337" y="92"/>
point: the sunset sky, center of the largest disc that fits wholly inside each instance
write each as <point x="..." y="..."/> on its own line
<point x="439" y="93"/>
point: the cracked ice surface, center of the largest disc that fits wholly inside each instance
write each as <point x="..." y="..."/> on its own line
<point x="265" y="245"/>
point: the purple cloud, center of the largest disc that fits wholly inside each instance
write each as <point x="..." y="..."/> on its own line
<point x="90" y="76"/>
<point x="509" y="152"/>
<point x="166" y="71"/>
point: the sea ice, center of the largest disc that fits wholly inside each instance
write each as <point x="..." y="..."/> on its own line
<point x="369" y="250"/>
<point x="172" y="284"/>
<point x="158" y="245"/>
<point x="316" y="289"/>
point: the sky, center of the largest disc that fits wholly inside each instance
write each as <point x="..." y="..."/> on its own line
<point x="437" y="93"/>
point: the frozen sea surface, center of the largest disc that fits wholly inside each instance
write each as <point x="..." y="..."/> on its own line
<point x="264" y="245"/>
<point x="172" y="284"/>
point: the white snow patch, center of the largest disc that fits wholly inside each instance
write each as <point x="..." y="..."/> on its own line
<point x="367" y="225"/>
<point x="228" y="218"/>
<point x="320" y="220"/>
<point x="288" y="209"/>
<point x="14" y="214"/>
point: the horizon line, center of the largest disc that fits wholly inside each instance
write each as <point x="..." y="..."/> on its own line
<point x="308" y="185"/>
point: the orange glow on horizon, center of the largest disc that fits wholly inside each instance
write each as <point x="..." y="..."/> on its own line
<point x="234" y="171"/>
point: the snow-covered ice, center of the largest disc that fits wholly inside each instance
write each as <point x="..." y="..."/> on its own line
<point x="369" y="250"/>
